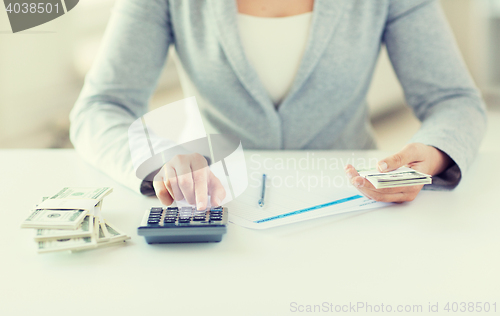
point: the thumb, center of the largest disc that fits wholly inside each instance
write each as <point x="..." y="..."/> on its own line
<point x="407" y="155"/>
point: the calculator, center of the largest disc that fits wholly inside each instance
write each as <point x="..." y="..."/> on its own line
<point x="183" y="224"/>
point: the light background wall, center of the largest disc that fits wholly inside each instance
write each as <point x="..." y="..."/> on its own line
<point x="42" y="71"/>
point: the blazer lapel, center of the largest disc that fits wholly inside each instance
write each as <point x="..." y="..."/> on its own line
<point x="326" y="16"/>
<point x="224" y="13"/>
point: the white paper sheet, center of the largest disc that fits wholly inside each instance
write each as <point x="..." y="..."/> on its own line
<point x="293" y="202"/>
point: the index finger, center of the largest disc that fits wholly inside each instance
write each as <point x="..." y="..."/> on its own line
<point x="200" y="181"/>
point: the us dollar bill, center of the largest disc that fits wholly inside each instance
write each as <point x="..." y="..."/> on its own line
<point x="55" y="219"/>
<point x="114" y="233"/>
<point x="82" y="193"/>
<point x="86" y="229"/>
<point x="76" y="198"/>
<point x="103" y="234"/>
<point x="403" y="176"/>
<point x="115" y="237"/>
<point x="64" y="244"/>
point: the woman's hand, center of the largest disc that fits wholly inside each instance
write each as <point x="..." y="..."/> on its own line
<point x="189" y="177"/>
<point x="423" y="158"/>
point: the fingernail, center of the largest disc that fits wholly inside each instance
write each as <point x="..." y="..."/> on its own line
<point x="346" y="167"/>
<point x="349" y="175"/>
<point x="200" y="206"/>
<point x="382" y="166"/>
<point x="358" y="183"/>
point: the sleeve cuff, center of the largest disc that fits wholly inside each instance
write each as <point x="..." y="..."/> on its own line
<point x="446" y="180"/>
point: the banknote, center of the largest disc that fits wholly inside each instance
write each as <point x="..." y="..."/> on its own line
<point x="113" y="242"/>
<point x="73" y="228"/>
<point x="82" y="193"/>
<point x="115" y="237"/>
<point x="86" y="229"/>
<point x="66" y="244"/>
<point x="76" y="198"/>
<point x="103" y="234"/>
<point x="114" y="233"/>
<point x="55" y="219"/>
<point x="403" y="176"/>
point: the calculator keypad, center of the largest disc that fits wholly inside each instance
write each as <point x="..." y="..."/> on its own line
<point x="186" y="216"/>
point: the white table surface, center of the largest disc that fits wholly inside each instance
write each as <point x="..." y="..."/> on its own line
<point x="442" y="247"/>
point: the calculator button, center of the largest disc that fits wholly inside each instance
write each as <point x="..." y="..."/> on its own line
<point x="172" y="208"/>
<point x="217" y="208"/>
<point x="184" y="220"/>
<point x="215" y="219"/>
<point x="199" y="218"/>
<point x="153" y="222"/>
<point x="169" y="220"/>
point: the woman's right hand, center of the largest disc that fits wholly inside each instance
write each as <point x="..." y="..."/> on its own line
<point x="189" y="177"/>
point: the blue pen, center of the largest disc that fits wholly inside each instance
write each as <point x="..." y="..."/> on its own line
<point x="261" y="201"/>
<point x="263" y="194"/>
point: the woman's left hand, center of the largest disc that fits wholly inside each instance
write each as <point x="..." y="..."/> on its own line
<point x="423" y="158"/>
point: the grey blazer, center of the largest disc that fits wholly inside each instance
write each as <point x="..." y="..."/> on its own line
<point x="325" y="108"/>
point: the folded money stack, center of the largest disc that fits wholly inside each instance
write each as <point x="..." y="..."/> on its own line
<point x="72" y="220"/>
<point x="401" y="177"/>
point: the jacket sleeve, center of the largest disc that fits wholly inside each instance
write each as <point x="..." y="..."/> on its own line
<point x="436" y="83"/>
<point x="118" y="86"/>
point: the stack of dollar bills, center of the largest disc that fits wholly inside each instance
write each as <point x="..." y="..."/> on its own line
<point x="401" y="177"/>
<point x="72" y="220"/>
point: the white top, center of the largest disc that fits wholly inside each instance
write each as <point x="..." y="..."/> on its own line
<point x="274" y="47"/>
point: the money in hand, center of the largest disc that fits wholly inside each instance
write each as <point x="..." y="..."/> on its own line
<point x="401" y="177"/>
